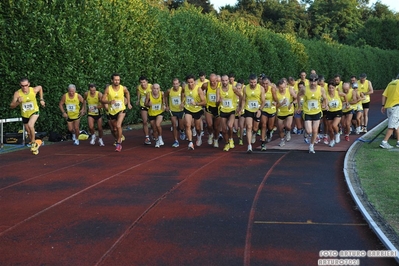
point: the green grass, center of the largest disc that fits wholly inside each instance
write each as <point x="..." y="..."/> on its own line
<point x="378" y="172"/>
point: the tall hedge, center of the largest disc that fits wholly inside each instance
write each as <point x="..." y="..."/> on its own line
<point x="58" y="42"/>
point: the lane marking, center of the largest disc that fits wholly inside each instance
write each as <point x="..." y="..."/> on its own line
<point x="247" y="249"/>
<point x="309" y="223"/>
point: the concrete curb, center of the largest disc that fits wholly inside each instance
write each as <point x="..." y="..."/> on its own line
<point x="384" y="232"/>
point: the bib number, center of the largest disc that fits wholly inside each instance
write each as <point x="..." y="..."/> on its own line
<point x="28" y="106"/>
<point x="71" y="108"/>
<point x="175" y="100"/>
<point x="156" y="107"/>
<point x="268" y="104"/>
<point x="313" y="104"/>
<point x="333" y="104"/>
<point x="189" y="100"/>
<point x="228" y="103"/>
<point x="253" y="104"/>
<point x="93" y="109"/>
<point x="212" y="97"/>
<point x="117" y="105"/>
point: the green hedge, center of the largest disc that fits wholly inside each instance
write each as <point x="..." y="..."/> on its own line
<point x="58" y="42"/>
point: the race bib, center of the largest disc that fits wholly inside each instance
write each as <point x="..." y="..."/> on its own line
<point x="117" y="105"/>
<point x="142" y="99"/>
<point x="212" y="97"/>
<point x="71" y="108"/>
<point x="28" y="106"/>
<point x="156" y="107"/>
<point x="93" y="109"/>
<point x="175" y="100"/>
<point x="313" y="104"/>
<point x="333" y="104"/>
<point x="189" y="100"/>
<point x="253" y="104"/>
<point x="228" y="103"/>
<point x="284" y="102"/>
<point x="268" y="104"/>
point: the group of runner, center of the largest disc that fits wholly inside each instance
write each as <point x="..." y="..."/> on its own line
<point x="218" y="105"/>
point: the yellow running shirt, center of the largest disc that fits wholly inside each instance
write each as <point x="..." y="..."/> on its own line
<point x="228" y="100"/>
<point x="334" y="103"/>
<point x="283" y="110"/>
<point x="192" y="96"/>
<point x="93" y="103"/>
<point x="211" y="95"/>
<point x="29" y="104"/>
<point x="72" y="106"/>
<point x="311" y="101"/>
<point x="143" y="93"/>
<point x="269" y="107"/>
<point x="119" y="97"/>
<point x="156" y="105"/>
<point x="252" y="98"/>
<point x="349" y="97"/>
<point x="175" y="100"/>
<point x="364" y="87"/>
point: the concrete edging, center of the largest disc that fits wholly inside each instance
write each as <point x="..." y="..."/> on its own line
<point x="384" y="232"/>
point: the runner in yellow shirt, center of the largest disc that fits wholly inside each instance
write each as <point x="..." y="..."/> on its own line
<point x="25" y="97"/>
<point x="366" y="88"/>
<point x="142" y="89"/>
<point x="114" y="96"/>
<point x="284" y="98"/>
<point x="390" y="103"/>
<point x="212" y="110"/>
<point x="269" y="112"/>
<point x="155" y="102"/>
<point x="175" y="105"/>
<point x="94" y="113"/>
<point x="73" y="102"/>
<point x="348" y="108"/>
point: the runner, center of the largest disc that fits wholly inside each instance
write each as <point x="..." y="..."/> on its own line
<point x="73" y="102"/>
<point x="142" y="89"/>
<point x="334" y="112"/>
<point x="155" y="101"/>
<point x="312" y="113"/>
<point x="212" y="111"/>
<point x="390" y="103"/>
<point x="227" y="97"/>
<point x="284" y="98"/>
<point x="268" y="112"/>
<point x="174" y="104"/>
<point x="348" y="109"/>
<point x="115" y="96"/>
<point x="94" y="114"/>
<point x="25" y="97"/>
<point x="253" y="102"/>
<point x="366" y="88"/>
<point x="194" y="101"/>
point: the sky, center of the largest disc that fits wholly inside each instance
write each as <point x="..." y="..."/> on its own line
<point x="392" y="4"/>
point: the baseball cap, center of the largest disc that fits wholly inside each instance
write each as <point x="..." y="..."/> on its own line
<point x="313" y="77"/>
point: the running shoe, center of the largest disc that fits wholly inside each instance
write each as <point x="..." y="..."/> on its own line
<point x="325" y="140"/>
<point x="182" y="135"/>
<point x="175" y="144"/>
<point x="337" y="138"/>
<point x="347" y="137"/>
<point x="240" y="142"/>
<point x="253" y="140"/>
<point x="357" y="130"/>
<point x="269" y="136"/>
<point x="73" y="137"/>
<point x="294" y="130"/>
<point x="288" y="136"/>
<point x="231" y="143"/>
<point x="263" y="147"/>
<point x="160" y="139"/>
<point x="238" y="134"/>
<point x="234" y="130"/>
<point x="194" y="132"/>
<point x="101" y="142"/>
<point x="282" y="143"/>
<point x="364" y="129"/>
<point x="397" y="144"/>
<point x="332" y="143"/>
<point x="123" y="138"/>
<point x="157" y="145"/>
<point x="118" y="147"/>
<point x="226" y="147"/>
<point x="216" y="143"/>
<point x="385" y="145"/>
<point x="210" y="139"/>
<point x="199" y="140"/>
<point x="147" y="141"/>
<point x="311" y="148"/>
<point x="93" y="139"/>
<point x="249" y="150"/>
<point x="76" y="142"/>
<point x="306" y="139"/>
<point x="191" y="146"/>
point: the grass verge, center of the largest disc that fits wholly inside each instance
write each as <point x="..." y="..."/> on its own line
<point x="378" y="173"/>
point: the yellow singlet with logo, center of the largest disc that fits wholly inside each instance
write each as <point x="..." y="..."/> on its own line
<point x="311" y="101"/>
<point x="252" y="98"/>
<point x="228" y="102"/>
<point x="93" y="103"/>
<point x="211" y="95"/>
<point x="72" y="106"/>
<point x="156" y="105"/>
<point x="334" y="103"/>
<point x="284" y="109"/>
<point x="269" y="107"/>
<point x="119" y="97"/>
<point x="349" y="97"/>
<point x="199" y="82"/>
<point x="192" y="96"/>
<point x="143" y="93"/>
<point x="339" y="86"/>
<point x="29" y="104"/>
<point x="364" y="87"/>
<point x="175" y="100"/>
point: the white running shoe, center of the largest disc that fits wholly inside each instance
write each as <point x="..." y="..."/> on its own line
<point x="194" y="132"/>
<point x="199" y="140"/>
<point x="191" y="146"/>
<point x="210" y="139"/>
<point x="311" y="148"/>
<point x="215" y="143"/>
<point x="73" y="137"/>
<point x="253" y="140"/>
<point x="288" y="136"/>
<point x="101" y="142"/>
<point x="249" y="150"/>
<point x="385" y="145"/>
<point x="337" y="138"/>
<point x="76" y="142"/>
<point x="282" y="143"/>
<point x="332" y="143"/>
<point x="157" y="145"/>
<point x="161" y="141"/>
<point x="93" y="139"/>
